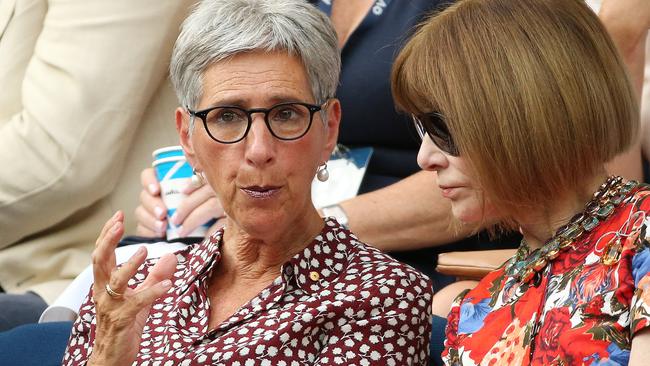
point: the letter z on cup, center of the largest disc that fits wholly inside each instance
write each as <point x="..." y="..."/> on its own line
<point x="174" y="174"/>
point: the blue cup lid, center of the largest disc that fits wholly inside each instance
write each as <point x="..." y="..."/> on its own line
<point x="167" y="151"/>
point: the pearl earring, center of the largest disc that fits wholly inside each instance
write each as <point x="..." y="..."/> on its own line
<point x="197" y="178"/>
<point x="322" y="174"/>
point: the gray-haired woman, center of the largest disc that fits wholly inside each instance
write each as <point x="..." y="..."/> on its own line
<point x="279" y="285"/>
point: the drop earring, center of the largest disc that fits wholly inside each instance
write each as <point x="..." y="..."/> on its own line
<point x="322" y="174"/>
<point x="197" y="178"/>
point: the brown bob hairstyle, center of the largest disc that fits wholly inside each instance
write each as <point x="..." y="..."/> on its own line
<point x="533" y="92"/>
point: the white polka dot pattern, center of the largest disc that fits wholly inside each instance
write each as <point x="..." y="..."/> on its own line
<point x="338" y="302"/>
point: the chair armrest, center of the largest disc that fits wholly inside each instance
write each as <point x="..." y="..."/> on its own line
<point x="472" y="265"/>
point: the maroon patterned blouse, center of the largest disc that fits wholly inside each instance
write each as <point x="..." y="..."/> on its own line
<point x="338" y="302"/>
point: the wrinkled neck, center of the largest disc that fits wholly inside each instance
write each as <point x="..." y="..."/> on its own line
<point x="248" y="257"/>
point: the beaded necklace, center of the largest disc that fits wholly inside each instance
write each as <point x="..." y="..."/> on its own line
<point x="611" y="193"/>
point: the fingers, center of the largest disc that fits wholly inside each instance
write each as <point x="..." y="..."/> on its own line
<point x="151" y="214"/>
<point x="147" y="296"/>
<point x="191" y="187"/>
<point x="150" y="182"/>
<point x="149" y="224"/>
<point x="120" y="276"/>
<point x="163" y="270"/>
<point x="147" y="233"/>
<point x="153" y="205"/>
<point x="191" y="202"/>
<point x="197" y="208"/>
<point x="103" y="257"/>
<point x="146" y="292"/>
<point x="129" y="307"/>
<point x="200" y="215"/>
<point x="117" y="216"/>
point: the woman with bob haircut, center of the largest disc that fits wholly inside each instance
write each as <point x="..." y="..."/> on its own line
<point x="519" y="104"/>
<point x="278" y="285"/>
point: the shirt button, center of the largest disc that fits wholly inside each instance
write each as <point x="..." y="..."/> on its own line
<point x="314" y="276"/>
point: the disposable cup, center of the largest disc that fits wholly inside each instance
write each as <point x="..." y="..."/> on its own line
<point x="174" y="173"/>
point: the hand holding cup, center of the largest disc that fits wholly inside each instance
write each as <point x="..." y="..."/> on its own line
<point x="171" y="203"/>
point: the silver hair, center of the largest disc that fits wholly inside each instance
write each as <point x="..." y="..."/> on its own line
<point x="218" y="29"/>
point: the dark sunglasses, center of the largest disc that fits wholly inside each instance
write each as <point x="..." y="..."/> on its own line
<point x="433" y="124"/>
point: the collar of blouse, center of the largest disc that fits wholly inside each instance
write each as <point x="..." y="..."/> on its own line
<point x="322" y="260"/>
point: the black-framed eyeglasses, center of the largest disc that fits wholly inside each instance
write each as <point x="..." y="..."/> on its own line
<point x="433" y="124"/>
<point x="230" y="124"/>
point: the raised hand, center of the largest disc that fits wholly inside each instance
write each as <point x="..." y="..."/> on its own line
<point x="121" y="312"/>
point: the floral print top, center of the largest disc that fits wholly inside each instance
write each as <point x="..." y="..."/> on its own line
<point x="582" y="312"/>
<point x="338" y="302"/>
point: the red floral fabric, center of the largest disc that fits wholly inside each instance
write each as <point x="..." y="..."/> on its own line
<point x="582" y="312"/>
<point x="338" y="302"/>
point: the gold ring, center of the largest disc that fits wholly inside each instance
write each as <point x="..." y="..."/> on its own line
<point x="111" y="293"/>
